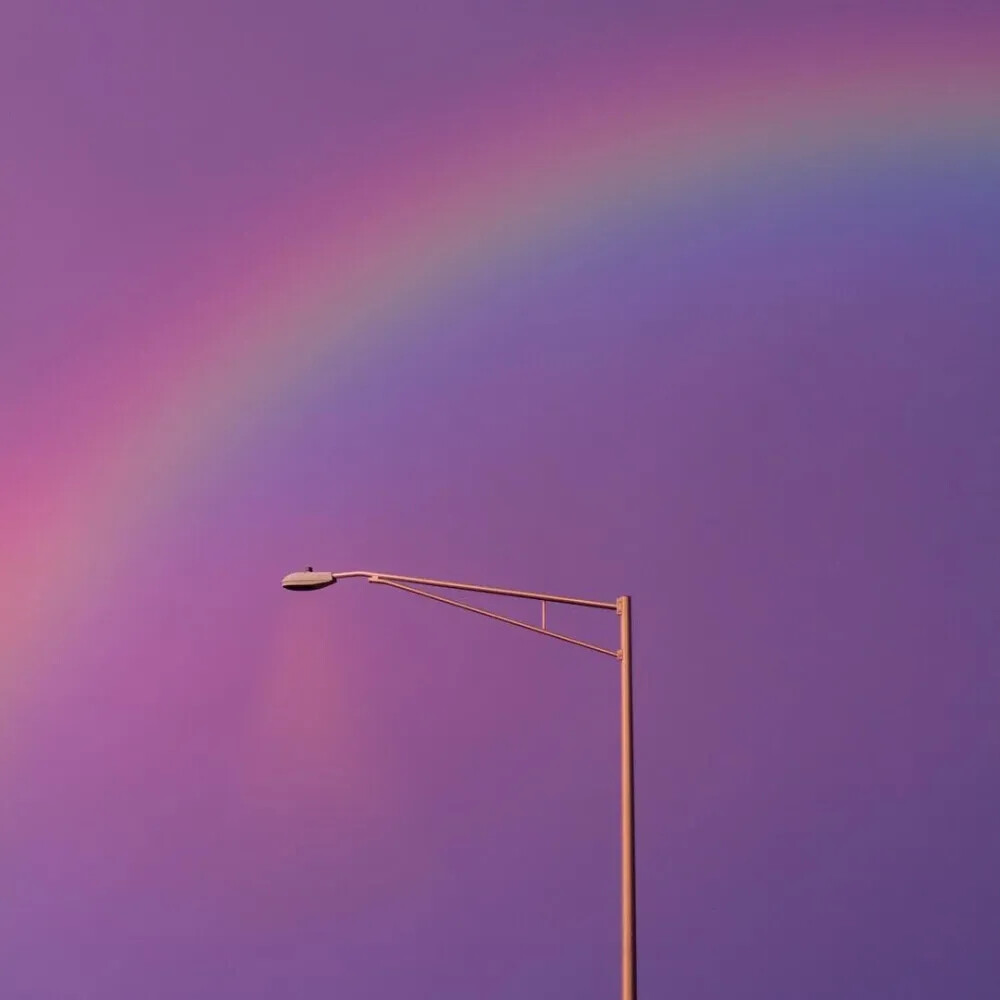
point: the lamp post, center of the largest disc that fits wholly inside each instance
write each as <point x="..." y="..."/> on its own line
<point x="311" y="580"/>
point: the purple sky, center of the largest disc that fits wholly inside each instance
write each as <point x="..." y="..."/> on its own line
<point x="766" y="408"/>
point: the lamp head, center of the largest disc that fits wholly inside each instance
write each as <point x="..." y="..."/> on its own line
<point x="308" y="580"/>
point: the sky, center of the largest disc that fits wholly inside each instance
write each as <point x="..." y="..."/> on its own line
<point x="692" y="302"/>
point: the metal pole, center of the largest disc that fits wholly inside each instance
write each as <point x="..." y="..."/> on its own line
<point x="628" y="806"/>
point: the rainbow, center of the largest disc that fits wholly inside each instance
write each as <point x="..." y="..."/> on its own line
<point x="594" y="151"/>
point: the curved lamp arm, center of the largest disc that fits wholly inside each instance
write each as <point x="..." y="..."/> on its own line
<point x="313" y="580"/>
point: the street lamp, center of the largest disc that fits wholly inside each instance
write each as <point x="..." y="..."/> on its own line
<point x="312" y="580"/>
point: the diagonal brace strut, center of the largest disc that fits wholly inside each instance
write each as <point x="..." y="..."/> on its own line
<point x="616" y="653"/>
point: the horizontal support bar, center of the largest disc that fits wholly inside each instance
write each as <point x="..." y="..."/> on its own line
<point x="477" y="589"/>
